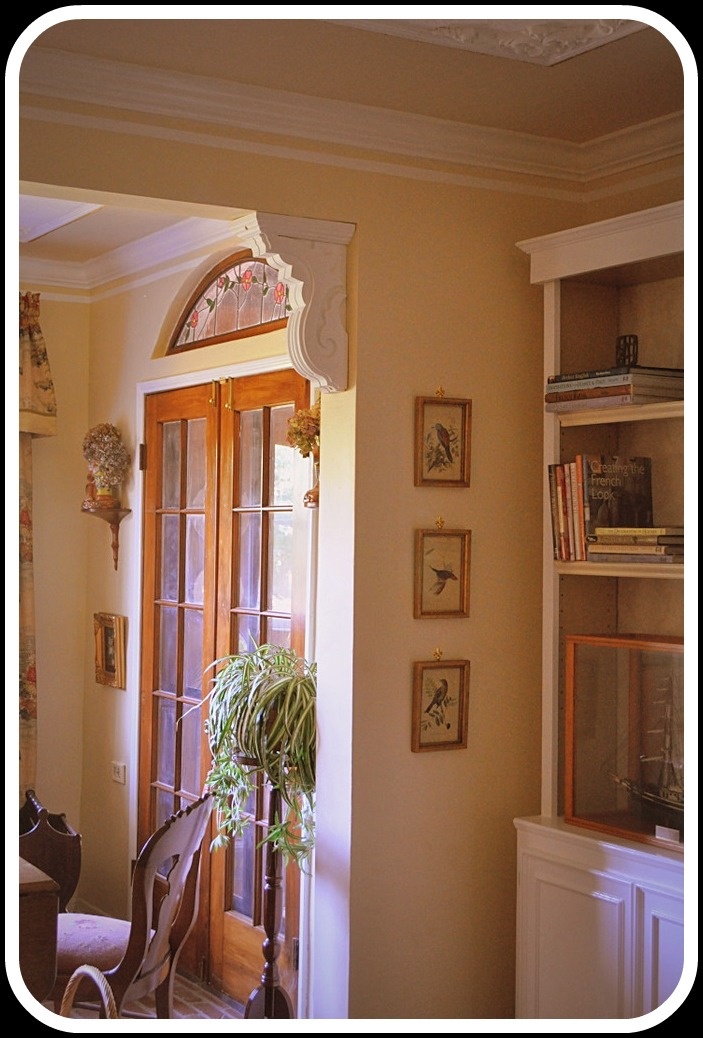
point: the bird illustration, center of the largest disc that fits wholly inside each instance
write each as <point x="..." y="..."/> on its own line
<point x="444" y="439"/>
<point x="439" y="696"/>
<point x="442" y="575"/>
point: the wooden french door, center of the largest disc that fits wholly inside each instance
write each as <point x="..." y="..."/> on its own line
<point x="224" y="565"/>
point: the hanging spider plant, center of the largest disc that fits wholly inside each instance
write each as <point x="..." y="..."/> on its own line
<point x="262" y="720"/>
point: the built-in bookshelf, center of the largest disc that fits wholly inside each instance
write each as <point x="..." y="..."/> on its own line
<point x="602" y="282"/>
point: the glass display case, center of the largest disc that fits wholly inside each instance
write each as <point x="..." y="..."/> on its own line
<point x="624" y="736"/>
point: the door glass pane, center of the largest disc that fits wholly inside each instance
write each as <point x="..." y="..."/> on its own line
<point x="278" y="631"/>
<point x="250" y="458"/>
<point x="246" y="633"/>
<point x="169" y="557"/>
<point x="166" y="747"/>
<point x="193" y="654"/>
<point x="280" y="561"/>
<point x="165" y="806"/>
<point x="168" y="648"/>
<point x="281" y="459"/>
<point x="243" y="873"/>
<point x="195" y="467"/>
<point x="249" y="561"/>
<point x="171" y="465"/>
<point x="191" y="727"/>
<point x="242" y="858"/>
<point x="195" y="559"/>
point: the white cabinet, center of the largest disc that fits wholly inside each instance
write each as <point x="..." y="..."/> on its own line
<point x="599" y="925"/>
<point x="600" y="931"/>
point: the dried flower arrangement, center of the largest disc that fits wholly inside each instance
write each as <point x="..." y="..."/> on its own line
<point x="304" y="430"/>
<point x="106" y="454"/>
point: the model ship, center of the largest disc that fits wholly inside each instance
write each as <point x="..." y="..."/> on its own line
<point x="660" y="786"/>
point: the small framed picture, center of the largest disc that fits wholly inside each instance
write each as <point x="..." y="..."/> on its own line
<point x="442" y="442"/>
<point x="440" y="705"/>
<point x="110" y="649"/>
<point x="442" y="573"/>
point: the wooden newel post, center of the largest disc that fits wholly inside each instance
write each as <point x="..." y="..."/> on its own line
<point x="270" y="1001"/>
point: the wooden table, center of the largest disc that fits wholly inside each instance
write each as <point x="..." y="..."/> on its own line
<point x="38" y="911"/>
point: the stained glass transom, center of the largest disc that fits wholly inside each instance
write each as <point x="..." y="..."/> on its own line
<point x="242" y="297"/>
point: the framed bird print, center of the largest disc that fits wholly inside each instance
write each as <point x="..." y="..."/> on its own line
<point x="442" y="572"/>
<point x="440" y="705"/>
<point x="442" y="442"/>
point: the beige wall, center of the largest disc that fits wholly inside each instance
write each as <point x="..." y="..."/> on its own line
<point x="415" y="886"/>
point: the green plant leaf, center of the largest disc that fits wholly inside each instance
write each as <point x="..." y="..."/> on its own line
<point x="261" y="719"/>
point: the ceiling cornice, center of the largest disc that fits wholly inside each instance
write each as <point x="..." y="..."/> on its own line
<point x="234" y="106"/>
<point x="164" y="250"/>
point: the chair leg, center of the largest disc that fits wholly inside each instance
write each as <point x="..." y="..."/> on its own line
<point x="164" y="997"/>
<point x="57" y="995"/>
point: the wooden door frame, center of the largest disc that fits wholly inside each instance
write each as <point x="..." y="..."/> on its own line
<point x="144" y="389"/>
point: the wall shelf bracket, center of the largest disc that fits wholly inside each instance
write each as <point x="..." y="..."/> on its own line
<point x="114" y="517"/>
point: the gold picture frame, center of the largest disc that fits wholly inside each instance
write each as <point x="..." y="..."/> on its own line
<point x="440" y="718"/>
<point x="442" y="442"/>
<point x="442" y="573"/>
<point x="110" y="664"/>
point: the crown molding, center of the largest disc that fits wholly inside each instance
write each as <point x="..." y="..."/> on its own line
<point x="659" y="231"/>
<point x="163" y="249"/>
<point x="215" y="102"/>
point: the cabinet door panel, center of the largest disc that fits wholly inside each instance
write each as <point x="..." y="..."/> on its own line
<point x="660" y="946"/>
<point x="578" y="940"/>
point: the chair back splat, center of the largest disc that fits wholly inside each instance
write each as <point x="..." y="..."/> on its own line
<point x="140" y="956"/>
<point x="49" y="843"/>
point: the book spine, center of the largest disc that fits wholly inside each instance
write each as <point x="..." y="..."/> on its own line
<point x="561" y="515"/>
<point x="614" y="558"/>
<point x="638" y="531"/>
<point x="578" y="552"/>
<point x="621" y="384"/>
<point x="603" y="538"/>
<point x="596" y="401"/>
<point x="589" y="518"/>
<point x="635" y="549"/>
<point x="587" y="393"/>
<point x="581" y="507"/>
<point x="574" y="376"/>
<point x="587" y="383"/>
<point x="552" y="479"/>
<point x="622" y="369"/>
<point x="569" y="511"/>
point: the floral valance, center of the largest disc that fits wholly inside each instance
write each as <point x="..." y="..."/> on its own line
<point x="37" y="396"/>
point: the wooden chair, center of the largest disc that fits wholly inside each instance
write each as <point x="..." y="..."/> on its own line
<point x="49" y="843"/>
<point x="139" y="956"/>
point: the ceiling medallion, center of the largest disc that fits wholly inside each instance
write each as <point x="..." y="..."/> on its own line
<point x="536" y="42"/>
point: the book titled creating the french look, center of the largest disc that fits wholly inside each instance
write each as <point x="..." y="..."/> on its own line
<point x="617" y="491"/>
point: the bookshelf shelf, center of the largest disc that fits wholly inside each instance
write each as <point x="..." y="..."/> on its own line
<point x="618" y="415"/>
<point x="616" y="277"/>
<point x="650" y="571"/>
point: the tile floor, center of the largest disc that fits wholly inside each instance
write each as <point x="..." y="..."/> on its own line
<point x="192" y="1001"/>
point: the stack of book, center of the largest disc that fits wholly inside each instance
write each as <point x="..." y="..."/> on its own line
<point x="612" y="387"/>
<point x="598" y="495"/>
<point x="635" y="544"/>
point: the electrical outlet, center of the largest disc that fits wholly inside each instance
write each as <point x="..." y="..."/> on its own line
<point x="119" y="772"/>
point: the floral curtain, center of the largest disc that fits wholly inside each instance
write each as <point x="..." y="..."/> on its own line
<point x="37" y="418"/>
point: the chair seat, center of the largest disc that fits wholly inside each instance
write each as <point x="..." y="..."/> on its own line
<point x="135" y="958"/>
<point x="96" y="939"/>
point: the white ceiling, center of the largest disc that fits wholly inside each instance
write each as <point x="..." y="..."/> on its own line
<point x="52" y="229"/>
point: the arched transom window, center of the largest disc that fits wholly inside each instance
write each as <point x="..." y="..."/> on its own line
<point x="242" y="296"/>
